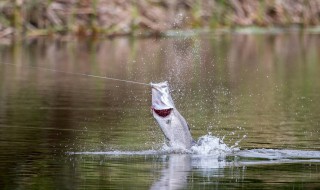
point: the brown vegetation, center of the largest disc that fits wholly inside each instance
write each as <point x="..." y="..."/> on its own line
<point x="119" y="17"/>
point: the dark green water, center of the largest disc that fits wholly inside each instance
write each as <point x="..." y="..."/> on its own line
<point x="264" y="87"/>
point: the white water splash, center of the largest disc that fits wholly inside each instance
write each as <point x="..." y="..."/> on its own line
<point x="206" y="145"/>
<point x="211" y="145"/>
<point x="176" y="149"/>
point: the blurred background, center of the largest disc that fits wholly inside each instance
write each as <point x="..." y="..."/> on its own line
<point x="149" y="17"/>
<point x="244" y="71"/>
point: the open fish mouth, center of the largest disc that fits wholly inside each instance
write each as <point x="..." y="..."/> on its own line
<point x="174" y="127"/>
<point x="162" y="103"/>
<point x="163" y="112"/>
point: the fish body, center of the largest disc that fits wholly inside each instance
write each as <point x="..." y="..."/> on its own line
<point x="174" y="127"/>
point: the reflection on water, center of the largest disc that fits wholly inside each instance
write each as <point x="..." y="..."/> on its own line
<point x="185" y="171"/>
<point x="175" y="175"/>
<point x="263" y="86"/>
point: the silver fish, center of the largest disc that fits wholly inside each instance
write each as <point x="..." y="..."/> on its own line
<point x="173" y="125"/>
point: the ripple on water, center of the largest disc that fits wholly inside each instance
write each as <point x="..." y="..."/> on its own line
<point x="211" y="147"/>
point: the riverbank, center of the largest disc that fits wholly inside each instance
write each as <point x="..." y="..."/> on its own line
<point x="27" y="18"/>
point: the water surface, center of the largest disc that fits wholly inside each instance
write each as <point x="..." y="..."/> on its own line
<point x="263" y="89"/>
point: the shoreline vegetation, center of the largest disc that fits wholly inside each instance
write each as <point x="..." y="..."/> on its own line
<point x="28" y="18"/>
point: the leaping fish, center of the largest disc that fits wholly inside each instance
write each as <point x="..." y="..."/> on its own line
<point x="174" y="127"/>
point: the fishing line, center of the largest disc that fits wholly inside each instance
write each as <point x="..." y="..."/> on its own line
<point x="81" y="74"/>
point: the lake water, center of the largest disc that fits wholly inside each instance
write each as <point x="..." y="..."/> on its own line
<point x="257" y="93"/>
